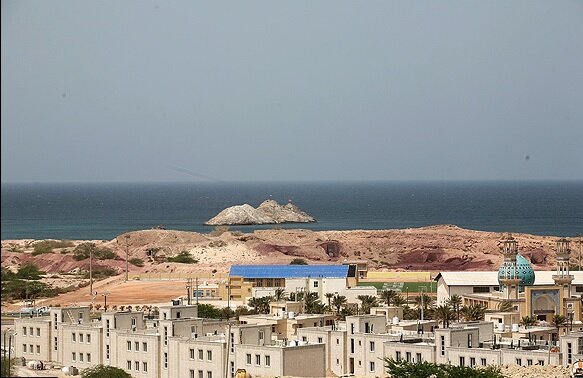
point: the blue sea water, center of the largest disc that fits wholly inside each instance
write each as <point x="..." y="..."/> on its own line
<point x="103" y="211"/>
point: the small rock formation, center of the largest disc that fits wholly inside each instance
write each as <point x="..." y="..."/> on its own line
<point x="268" y="212"/>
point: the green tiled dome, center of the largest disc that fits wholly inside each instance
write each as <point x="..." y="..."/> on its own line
<point x="524" y="271"/>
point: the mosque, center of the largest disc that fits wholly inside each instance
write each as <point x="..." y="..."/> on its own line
<point x="517" y="291"/>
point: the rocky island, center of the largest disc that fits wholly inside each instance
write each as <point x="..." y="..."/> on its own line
<point x="268" y="212"/>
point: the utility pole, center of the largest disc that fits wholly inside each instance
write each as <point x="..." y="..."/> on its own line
<point x="127" y="236"/>
<point x="91" y="274"/>
<point x="580" y="242"/>
<point x="188" y="289"/>
<point x="229" y="291"/>
<point x="422" y="304"/>
<point x="196" y="291"/>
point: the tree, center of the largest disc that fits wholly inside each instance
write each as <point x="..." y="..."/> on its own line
<point x="313" y="304"/>
<point x="559" y="321"/>
<point x="367" y="301"/>
<point x="425" y="369"/>
<point x="4" y="367"/>
<point x="209" y="311"/>
<point x="338" y="301"/>
<point x="505" y="306"/>
<point x="260" y="305"/>
<point x="398" y="300"/>
<point x="280" y="294"/>
<point x="329" y="296"/>
<point x="528" y="321"/>
<point x="103" y="371"/>
<point x="444" y="314"/>
<point x="29" y="272"/>
<point x="455" y="302"/>
<point x="298" y="261"/>
<point x="387" y="296"/>
<point x="473" y="312"/>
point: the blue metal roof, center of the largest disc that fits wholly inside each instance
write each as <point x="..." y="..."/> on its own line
<point x="289" y="271"/>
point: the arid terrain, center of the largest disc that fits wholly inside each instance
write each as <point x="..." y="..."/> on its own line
<point x="434" y="248"/>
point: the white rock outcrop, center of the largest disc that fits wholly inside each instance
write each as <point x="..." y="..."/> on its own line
<point x="268" y="212"/>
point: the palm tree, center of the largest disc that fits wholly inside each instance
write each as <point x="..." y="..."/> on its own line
<point x="387" y="296"/>
<point x="528" y="321"/>
<point x="505" y="306"/>
<point x="398" y="300"/>
<point x="329" y="296"/>
<point x="559" y="321"/>
<point x="367" y="301"/>
<point x="312" y="303"/>
<point x="280" y="294"/>
<point x="455" y="302"/>
<point x="338" y="301"/>
<point x="473" y="312"/>
<point x="444" y="313"/>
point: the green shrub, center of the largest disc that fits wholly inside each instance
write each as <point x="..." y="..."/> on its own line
<point x="84" y="250"/>
<point x="103" y="371"/>
<point x="298" y="261"/>
<point x="100" y="273"/>
<point x="47" y="246"/>
<point x="425" y="369"/>
<point x="208" y="311"/>
<point x="183" y="257"/>
<point x="21" y="289"/>
<point x="137" y="261"/>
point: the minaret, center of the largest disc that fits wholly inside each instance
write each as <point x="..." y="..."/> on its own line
<point x="563" y="278"/>
<point x="509" y="279"/>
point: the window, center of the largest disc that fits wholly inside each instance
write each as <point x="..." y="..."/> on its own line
<point x="408" y="356"/>
<point x="191" y="354"/>
<point x="129" y="345"/>
<point x="88" y="357"/>
<point x="481" y="289"/>
<point x="483" y="361"/>
<point x="38" y="332"/>
<point x="261" y="335"/>
<point x="165" y="335"/>
<point x="469" y="340"/>
<point x="80" y="337"/>
<point x="107" y="351"/>
<point x="30" y="348"/>
<point x="145" y="347"/>
<point x="137" y="346"/>
<point x="137" y="365"/>
<point x="191" y="373"/>
<point x="418" y="357"/>
<point x="529" y="362"/>
<point x="519" y="361"/>
<point x="38" y="349"/>
<point x="24" y="348"/>
<point x="337" y="361"/>
<point x="320" y="340"/>
<point x="462" y="361"/>
<point x="23" y="331"/>
<point x="209" y="355"/>
<point x="257" y="359"/>
<point x="304" y="338"/>
<point x="337" y="341"/>
<point x="74" y="356"/>
<point x="80" y="357"/>
<point x="209" y="374"/>
<point x="107" y="328"/>
<point x="30" y="333"/>
<point x="267" y="360"/>
<point x="472" y="361"/>
<point x="129" y="365"/>
<point x="315" y="283"/>
<point x="371" y="344"/>
<point x="541" y="362"/>
<point x="88" y="338"/>
<point x="56" y="343"/>
<point x="398" y="356"/>
<point x="145" y="367"/>
<point x="248" y="361"/>
<point x="200" y="374"/>
<point x="133" y="322"/>
<point x="443" y="345"/>
<point x="200" y="354"/>
<point x="165" y="360"/>
<point x="73" y="337"/>
<point x="178" y="314"/>
<point x="371" y="366"/>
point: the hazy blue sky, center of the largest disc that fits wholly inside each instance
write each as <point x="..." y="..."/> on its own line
<point x="313" y="90"/>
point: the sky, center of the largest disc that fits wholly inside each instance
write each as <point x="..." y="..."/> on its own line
<point x="151" y="91"/>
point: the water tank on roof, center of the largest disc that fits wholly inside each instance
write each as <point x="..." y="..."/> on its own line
<point x="301" y="342"/>
<point x="291" y="315"/>
<point x="514" y="327"/>
<point x="500" y="326"/>
<point x="291" y="343"/>
<point x="395" y="320"/>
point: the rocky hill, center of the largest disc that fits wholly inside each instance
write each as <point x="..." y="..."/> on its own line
<point x="432" y="248"/>
<point x="268" y="212"/>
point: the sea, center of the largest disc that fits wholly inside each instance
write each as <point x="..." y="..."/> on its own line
<point x="103" y="211"/>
